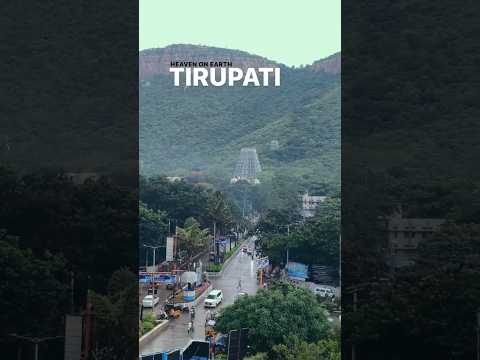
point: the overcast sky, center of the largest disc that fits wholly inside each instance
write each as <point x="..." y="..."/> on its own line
<point x="291" y="32"/>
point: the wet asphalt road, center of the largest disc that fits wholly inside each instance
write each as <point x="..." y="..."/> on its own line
<point x="241" y="267"/>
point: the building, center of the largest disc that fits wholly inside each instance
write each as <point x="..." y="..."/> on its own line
<point x="405" y="234"/>
<point x="274" y="145"/>
<point x="310" y="203"/>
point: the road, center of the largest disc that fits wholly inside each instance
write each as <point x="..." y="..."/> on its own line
<point x="241" y="267"/>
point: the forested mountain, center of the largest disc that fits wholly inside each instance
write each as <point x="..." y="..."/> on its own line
<point x="204" y="128"/>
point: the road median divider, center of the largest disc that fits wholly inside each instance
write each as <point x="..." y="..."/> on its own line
<point x="152" y="333"/>
<point x="213" y="274"/>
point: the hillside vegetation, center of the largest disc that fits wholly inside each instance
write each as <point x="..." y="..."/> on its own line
<point x="182" y="129"/>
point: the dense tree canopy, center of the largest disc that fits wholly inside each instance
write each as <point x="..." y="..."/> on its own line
<point x="438" y="296"/>
<point x="55" y="234"/>
<point x="33" y="287"/>
<point x="117" y="309"/>
<point x="273" y="313"/>
<point x="179" y="200"/>
<point x="315" y="242"/>
<point x="191" y="238"/>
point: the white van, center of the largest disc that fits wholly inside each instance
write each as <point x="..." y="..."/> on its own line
<point x="214" y="298"/>
<point x="150" y="301"/>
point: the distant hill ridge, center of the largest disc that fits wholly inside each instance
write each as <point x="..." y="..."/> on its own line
<point x="205" y="128"/>
<point x="157" y="61"/>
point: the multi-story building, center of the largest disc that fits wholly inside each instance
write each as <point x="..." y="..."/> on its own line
<point x="405" y="234"/>
<point x="310" y="203"/>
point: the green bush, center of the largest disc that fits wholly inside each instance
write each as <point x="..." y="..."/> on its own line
<point x="214" y="267"/>
<point x="230" y="252"/>
<point x="148" y="323"/>
<point x="147" y="326"/>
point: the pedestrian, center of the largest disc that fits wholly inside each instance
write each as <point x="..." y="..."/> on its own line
<point x="239" y="284"/>
<point x="190" y="328"/>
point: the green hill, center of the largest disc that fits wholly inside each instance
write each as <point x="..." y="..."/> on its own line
<point x="204" y="128"/>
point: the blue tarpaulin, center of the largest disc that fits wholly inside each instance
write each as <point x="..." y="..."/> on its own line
<point x="297" y="271"/>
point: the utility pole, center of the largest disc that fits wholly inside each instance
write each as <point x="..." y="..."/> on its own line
<point x="215" y="239"/>
<point x="244" y="201"/>
<point x="88" y="326"/>
<point x="288" y="234"/>
<point x="72" y="283"/>
<point x="478" y="334"/>
<point x="354" y="353"/>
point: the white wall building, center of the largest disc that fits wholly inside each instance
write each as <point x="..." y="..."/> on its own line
<point x="310" y="203"/>
<point x="404" y="236"/>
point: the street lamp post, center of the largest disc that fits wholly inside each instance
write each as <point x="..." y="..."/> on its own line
<point x="355" y="299"/>
<point x="354" y="291"/>
<point x="478" y="334"/>
<point x="154" y="249"/>
<point x="288" y="234"/>
<point x="35" y="341"/>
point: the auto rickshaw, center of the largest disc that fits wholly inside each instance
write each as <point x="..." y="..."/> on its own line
<point x="210" y="332"/>
<point x="173" y="312"/>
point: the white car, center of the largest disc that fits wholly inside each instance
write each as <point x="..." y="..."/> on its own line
<point x="324" y="291"/>
<point x="150" y="301"/>
<point x="213" y="299"/>
<point x="241" y="294"/>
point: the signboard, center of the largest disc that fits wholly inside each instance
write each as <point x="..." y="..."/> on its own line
<point x="161" y="278"/>
<point x="73" y="337"/>
<point x="169" y="249"/>
<point x="221" y="242"/>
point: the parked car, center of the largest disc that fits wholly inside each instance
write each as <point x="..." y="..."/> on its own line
<point x="214" y="298"/>
<point x="241" y="294"/>
<point x="170" y="286"/>
<point x="152" y="291"/>
<point x="324" y="291"/>
<point x="150" y="301"/>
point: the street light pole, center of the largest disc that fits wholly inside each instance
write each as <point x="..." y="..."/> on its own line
<point x="354" y="353"/>
<point x="36" y="341"/>
<point x="478" y="334"/>
<point x="288" y="234"/>
<point x="154" y="263"/>
<point x="154" y="249"/>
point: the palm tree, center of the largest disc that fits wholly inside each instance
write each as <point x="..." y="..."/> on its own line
<point x="219" y="212"/>
<point x="191" y="237"/>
